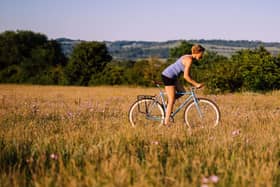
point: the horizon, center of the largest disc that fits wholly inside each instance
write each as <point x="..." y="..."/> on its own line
<point x="163" y="40"/>
<point x="145" y="20"/>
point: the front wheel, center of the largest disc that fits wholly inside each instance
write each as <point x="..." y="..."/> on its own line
<point x="202" y="114"/>
<point x="146" y="112"/>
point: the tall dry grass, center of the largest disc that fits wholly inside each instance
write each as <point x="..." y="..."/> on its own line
<point x="76" y="136"/>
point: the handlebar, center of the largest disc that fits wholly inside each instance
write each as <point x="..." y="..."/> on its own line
<point x="195" y="88"/>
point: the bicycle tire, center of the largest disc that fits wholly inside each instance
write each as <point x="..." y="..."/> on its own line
<point x="146" y="112"/>
<point x="210" y="114"/>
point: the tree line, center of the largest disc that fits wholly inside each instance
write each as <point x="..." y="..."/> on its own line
<point x="30" y="58"/>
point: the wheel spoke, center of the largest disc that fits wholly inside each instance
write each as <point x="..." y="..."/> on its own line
<point x="204" y="115"/>
<point x="146" y="112"/>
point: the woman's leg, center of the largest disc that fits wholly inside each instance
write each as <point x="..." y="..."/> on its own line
<point x="170" y="91"/>
<point x="179" y="88"/>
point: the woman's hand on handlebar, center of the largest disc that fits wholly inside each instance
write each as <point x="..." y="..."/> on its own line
<point x="199" y="85"/>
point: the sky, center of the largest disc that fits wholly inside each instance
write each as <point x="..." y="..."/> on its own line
<point x="148" y="20"/>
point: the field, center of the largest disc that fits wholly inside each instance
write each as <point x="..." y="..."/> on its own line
<point x="77" y="136"/>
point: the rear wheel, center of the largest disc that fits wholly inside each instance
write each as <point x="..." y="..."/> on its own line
<point x="146" y="112"/>
<point x="204" y="114"/>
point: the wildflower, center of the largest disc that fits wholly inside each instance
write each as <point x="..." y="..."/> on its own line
<point x="155" y="142"/>
<point x="34" y="109"/>
<point x="236" y="132"/>
<point x="204" y="180"/>
<point x="214" y="178"/>
<point x="54" y="156"/>
<point x="70" y="115"/>
<point x="30" y="160"/>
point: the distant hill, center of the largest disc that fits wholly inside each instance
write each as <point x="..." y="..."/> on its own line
<point x="132" y="50"/>
<point x="228" y="47"/>
<point x="67" y="45"/>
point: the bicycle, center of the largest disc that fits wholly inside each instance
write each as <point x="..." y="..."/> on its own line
<point x="150" y="110"/>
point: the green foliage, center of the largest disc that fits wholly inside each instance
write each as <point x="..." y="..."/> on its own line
<point x="27" y="57"/>
<point x="141" y="72"/>
<point x="258" y="70"/>
<point x="88" y="59"/>
<point x="224" y="77"/>
<point x="144" y="72"/>
<point x="183" y="48"/>
<point x="247" y="70"/>
<point x="16" y="46"/>
<point x="11" y="74"/>
<point x="217" y="72"/>
<point x="111" y="75"/>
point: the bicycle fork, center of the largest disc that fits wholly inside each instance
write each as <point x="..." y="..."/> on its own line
<point x="196" y="102"/>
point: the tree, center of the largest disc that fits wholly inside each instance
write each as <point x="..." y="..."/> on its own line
<point x="87" y="59"/>
<point x="259" y="70"/>
<point x="26" y="57"/>
<point x="215" y="71"/>
<point x="224" y="77"/>
<point x="112" y="75"/>
<point x="144" y="72"/>
<point x="247" y="70"/>
<point x="183" y="48"/>
<point x="16" y="46"/>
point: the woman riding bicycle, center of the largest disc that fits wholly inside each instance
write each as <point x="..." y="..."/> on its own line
<point x="171" y="73"/>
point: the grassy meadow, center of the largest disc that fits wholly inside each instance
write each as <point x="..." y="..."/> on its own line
<point x="77" y="136"/>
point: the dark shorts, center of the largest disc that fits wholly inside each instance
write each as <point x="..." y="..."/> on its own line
<point x="168" y="81"/>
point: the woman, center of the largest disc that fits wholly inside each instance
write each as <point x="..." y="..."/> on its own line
<point x="171" y="73"/>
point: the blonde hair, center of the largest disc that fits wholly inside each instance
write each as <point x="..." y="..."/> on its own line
<point x="197" y="49"/>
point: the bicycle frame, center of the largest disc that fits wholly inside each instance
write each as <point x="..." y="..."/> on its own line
<point x="151" y="109"/>
<point x="192" y="96"/>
